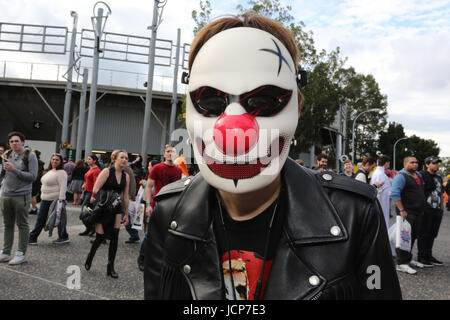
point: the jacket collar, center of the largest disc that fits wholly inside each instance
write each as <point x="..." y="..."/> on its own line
<point x="310" y="216"/>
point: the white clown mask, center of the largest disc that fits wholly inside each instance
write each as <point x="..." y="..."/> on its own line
<point x="242" y="109"/>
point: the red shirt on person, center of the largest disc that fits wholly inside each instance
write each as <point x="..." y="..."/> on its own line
<point x="90" y="177"/>
<point x="163" y="174"/>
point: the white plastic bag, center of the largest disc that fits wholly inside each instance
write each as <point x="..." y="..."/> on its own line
<point x="400" y="234"/>
<point x="59" y="207"/>
<point x="140" y="195"/>
<point x="139" y="216"/>
<point x="131" y="212"/>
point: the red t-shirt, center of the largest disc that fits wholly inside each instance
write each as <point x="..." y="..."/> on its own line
<point x="90" y="177"/>
<point x="163" y="174"/>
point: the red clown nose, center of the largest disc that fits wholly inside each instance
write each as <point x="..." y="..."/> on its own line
<point x="235" y="135"/>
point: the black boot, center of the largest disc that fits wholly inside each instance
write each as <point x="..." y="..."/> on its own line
<point x="97" y="242"/>
<point x="112" y="254"/>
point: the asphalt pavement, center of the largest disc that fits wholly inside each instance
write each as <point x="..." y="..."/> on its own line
<point x="51" y="271"/>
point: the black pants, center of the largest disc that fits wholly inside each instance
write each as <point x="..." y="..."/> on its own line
<point x="429" y="229"/>
<point x="415" y="220"/>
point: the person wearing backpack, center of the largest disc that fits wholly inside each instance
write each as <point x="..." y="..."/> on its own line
<point x="20" y="168"/>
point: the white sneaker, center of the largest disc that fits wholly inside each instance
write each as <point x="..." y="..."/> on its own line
<point x="18" y="259"/>
<point x="5" y="257"/>
<point x="416" y="264"/>
<point x="405" y="268"/>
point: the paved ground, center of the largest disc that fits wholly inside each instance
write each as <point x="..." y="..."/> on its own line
<point x="44" y="277"/>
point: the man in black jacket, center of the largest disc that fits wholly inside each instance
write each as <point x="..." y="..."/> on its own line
<point x="434" y="208"/>
<point x="253" y="224"/>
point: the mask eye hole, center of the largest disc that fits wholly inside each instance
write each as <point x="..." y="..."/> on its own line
<point x="266" y="101"/>
<point x="209" y="102"/>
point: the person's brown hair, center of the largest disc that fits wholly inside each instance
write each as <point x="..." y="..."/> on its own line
<point x="18" y="134"/>
<point x="251" y="20"/>
<point x="61" y="162"/>
<point x="79" y="164"/>
<point x="368" y="160"/>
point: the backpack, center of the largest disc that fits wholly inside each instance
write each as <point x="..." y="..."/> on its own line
<point x="25" y="161"/>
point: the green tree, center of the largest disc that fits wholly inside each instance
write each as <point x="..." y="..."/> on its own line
<point x="413" y="145"/>
<point x="388" y="137"/>
<point x="421" y="148"/>
<point x="202" y="17"/>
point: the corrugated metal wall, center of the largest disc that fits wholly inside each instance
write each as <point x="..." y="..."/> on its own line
<point x="118" y="124"/>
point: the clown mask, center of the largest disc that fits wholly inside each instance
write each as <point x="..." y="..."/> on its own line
<point x="242" y="109"/>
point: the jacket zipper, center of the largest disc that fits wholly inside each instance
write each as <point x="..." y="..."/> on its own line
<point x="317" y="296"/>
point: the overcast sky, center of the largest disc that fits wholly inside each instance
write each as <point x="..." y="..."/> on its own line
<point x="405" y="44"/>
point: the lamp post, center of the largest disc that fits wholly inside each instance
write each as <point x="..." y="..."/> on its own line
<point x="395" y="144"/>
<point x="353" y="131"/>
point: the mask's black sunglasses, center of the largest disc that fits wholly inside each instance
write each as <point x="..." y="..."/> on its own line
<point x="264" y="101"/>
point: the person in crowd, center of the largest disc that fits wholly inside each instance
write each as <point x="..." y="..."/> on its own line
<point x="20" y="168"/>
<point x="138" y="171"/>
<point x="160" y="175"/>
<point x="368" y="164"/>
<point x="54" y="187"/>
<point x="36" y="187"/>
<point x="77" y="181"/>
<point x="117" y="180"/>
<point x="447" y="192"/>
<point x="409" y="198"/>
<point x="433" y="211"/>
<point x="180" y="162"/>
<point x="300" y="162"/>
<point x="244" y="229"/>
<point x="134" y="234"/>
<point x="140" y="259"/>
<point x="69" y="165"/>
<point x="322" y="163"/>
<point x="383" y="184"/>
<point x="348" y="169"/>
<point x="90" y="178"/>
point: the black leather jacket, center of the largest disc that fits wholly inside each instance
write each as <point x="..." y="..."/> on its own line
<point x="334" y="243"/>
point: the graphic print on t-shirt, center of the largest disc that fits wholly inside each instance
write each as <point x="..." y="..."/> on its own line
<point x="246" y="269"/>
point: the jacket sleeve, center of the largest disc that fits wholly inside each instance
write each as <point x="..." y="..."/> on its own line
<point x="376" y="272"/>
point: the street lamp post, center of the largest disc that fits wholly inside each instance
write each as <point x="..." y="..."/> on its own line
<point x="395" y="144"/>
<point x="353" y="131"/>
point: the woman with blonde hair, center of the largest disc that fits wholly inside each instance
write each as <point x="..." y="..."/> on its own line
<point x="115" y="181"/>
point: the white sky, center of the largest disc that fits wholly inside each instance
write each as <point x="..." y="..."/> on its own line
<point x="405" y="44"/>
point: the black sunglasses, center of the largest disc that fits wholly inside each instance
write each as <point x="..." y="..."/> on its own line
<point x="264" y="101"/>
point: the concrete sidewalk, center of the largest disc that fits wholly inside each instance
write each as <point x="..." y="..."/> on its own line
<point x="44" y="276"/>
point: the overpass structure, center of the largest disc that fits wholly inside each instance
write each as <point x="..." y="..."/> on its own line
<point x="34" y="96"/>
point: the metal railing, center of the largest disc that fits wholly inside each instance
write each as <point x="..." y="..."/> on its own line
<point x="107" y="77"/>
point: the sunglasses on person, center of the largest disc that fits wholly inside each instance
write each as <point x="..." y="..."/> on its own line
<point x="264" y="101"/>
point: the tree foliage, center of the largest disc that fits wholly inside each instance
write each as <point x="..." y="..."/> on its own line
<point x="413" y="145"/>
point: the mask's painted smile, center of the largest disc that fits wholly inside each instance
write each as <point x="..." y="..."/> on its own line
<point x="237" y="171"/>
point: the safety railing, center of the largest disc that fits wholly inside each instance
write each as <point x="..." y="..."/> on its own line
<point x="106" y="77"/>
